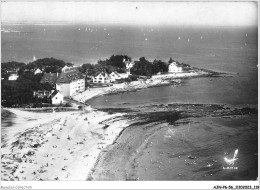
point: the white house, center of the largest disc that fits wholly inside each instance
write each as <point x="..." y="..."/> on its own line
<point x="174" y="68"/>
<point x="68" y="68"/>
<point x="102" y="78"/>
<point x="114" y="76"/>
<point x="13" y="76"/>
<point x="70" y="83"/>
<point x="37" y="71"/>
<point x="124" y="75"/>
<point x="63" y="70"/>
<point x="56" y="97"/>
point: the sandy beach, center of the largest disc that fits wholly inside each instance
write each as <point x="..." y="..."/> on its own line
<point x="155" y="142"/>
<point x="56" y="146"/>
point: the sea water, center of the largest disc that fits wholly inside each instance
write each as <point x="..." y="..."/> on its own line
<point x="216" y="48"/>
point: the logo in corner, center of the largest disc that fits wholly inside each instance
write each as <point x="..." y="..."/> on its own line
<point x="231" y="162"/>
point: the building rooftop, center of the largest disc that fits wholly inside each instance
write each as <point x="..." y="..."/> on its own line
<point x="54" y="93"/>
<point x="69" y="76"/>
<point x="49" y="78"/>
<point x="102" y="74"/>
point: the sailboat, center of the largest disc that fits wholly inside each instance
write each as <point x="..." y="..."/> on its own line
<point x="34" y="58"/>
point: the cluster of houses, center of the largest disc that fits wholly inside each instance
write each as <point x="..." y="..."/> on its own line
<point x="71" y="81"/>
<point x="67" y="83"/>
<point x="54" y="95"/>
<point x="13" y="75"/>
<point x="109" y="78"/>
<point x="112" y="77"/>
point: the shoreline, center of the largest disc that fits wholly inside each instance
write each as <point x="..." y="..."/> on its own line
<point x="153" y="146"/>
<point x="71" y="145"/>
<point x="155" y="81"/>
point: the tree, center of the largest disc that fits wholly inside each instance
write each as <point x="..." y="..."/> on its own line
<point x="142" y="67"/>
<point x="118" y="61"/>
<point x="170" y="60"/>
<point x="21" y="91"/>
<point x="159" y="66"/>
<point x="114" y="63"/>
<point x="87" y="68"/>
<point x="98" y="68"/>
<point x="47" y="64"/>
<point x="10" y="66"/>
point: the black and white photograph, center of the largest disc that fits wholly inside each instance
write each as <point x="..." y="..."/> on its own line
<point x="140" y="91"/>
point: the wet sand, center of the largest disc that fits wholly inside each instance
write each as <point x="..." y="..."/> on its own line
<point x="177" y="145"/>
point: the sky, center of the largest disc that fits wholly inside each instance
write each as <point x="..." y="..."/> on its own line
<point x="132" y="13"/>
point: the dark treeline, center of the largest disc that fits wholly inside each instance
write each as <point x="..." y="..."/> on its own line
<point x="114" y="63"/>
<point x="141" y="67"/>
<point x="20" y="92"/>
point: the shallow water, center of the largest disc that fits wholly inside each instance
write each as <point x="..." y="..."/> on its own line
<point x="197" y="90"/>
<point x="206" y="146"/>
<point x="193" y="150"/>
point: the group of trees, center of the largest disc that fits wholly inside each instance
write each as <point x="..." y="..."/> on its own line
<point x="147" y="68"/>
<point x="141" y="67"/>
<point x="114" y="63"/>
<point x="47" y="65"/>
<point x="21" y="91"/>
<point x="10" y="66"/>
